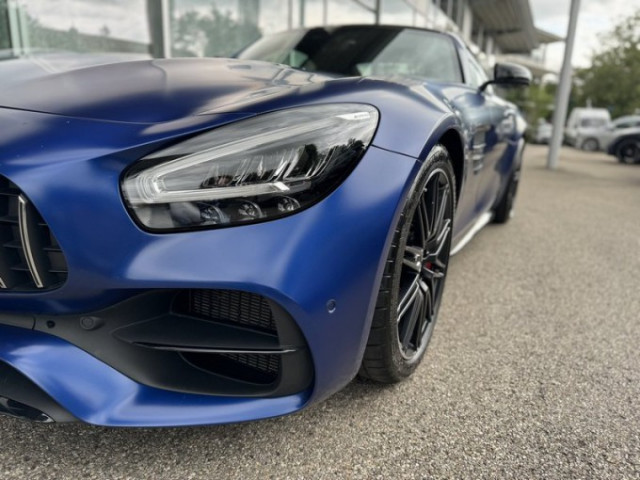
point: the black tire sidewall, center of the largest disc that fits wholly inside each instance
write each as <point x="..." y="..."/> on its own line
<point x="628" y="160"/>
<point x="590" y="141"/>
<point x="398" y="367"/>
<point x="503" y="210"/>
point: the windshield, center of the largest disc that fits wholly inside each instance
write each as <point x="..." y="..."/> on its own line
<point x="594" y="122"/>
<point x="362" y="51"/>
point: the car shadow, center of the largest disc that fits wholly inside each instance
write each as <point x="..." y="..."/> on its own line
<point x="59" y="441"/>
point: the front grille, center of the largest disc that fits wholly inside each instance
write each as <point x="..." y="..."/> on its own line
<point x="263" y="362"/>
<point x="30" y="257"/>
<point x="228" y="306"/>
<point x="249" y="311"/>
<point x="257" y="368"/>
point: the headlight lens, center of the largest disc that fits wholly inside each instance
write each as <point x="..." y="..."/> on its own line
<point x="253" y="170"/>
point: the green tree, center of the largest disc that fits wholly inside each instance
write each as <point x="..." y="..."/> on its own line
<point x="536" y="101"/>
<point x="188" y="36"/>
<point x="226" y="36"/>
<point x="612" y="80"/>
<point x="214" y="35"/>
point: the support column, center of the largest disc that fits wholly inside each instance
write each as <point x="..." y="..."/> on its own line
<point x="17" y="36"/>
<point x="489" y="45"/>
<point x="480" y="38"/>
<point x="159" y="19"/>
<point x="460" y="4"/>
<point x="564" y="89"/>
<point x="467" y="21"/>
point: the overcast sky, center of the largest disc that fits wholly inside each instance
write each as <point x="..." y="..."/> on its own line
<point x="596" y="17"/>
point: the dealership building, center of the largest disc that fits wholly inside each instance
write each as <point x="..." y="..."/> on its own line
<point x="495" y="29"/>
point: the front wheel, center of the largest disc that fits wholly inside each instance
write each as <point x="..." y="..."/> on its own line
<point x="590" y="145"/>
<point x="629" y="151"/>
<point x="414" y="276"/>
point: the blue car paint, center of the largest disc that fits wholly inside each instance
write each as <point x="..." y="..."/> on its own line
<point x="292" y="253"/>
<point x="80" y="143"/>
<point x="95" y="393"/>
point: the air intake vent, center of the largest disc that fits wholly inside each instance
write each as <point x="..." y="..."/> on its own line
<point x="30" y="257"/>
<point x="252" y="367"/>
<point x="228" y="306"/>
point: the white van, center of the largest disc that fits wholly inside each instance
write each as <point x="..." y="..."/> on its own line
<point x="584" y="127"/>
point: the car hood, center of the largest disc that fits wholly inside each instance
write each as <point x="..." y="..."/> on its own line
<point x="154" y="91"/>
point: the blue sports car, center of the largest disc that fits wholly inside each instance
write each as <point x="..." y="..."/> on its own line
<point x="201" y="241"/>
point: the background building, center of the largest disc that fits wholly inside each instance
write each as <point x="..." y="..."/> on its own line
<point x="493" y="28"/>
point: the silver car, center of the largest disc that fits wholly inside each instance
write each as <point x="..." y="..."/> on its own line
<point x="620" y="127"/>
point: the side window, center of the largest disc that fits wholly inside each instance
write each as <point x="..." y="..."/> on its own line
<point x="475" y="75"/>
<point x="296" y="59"/>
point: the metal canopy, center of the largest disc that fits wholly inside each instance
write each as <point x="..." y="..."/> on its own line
<point x="548" y="37"/>
<point x="510" y="22"/>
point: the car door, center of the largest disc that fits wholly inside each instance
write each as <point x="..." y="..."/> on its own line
<point x="483" y="116"/>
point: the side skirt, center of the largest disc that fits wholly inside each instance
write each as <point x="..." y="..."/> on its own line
<point x="482" y="222"/>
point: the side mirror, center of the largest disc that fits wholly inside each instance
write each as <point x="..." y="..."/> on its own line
<point x="509" y="75"/>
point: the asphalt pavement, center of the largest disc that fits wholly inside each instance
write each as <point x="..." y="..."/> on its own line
<point x="533" y="371"/>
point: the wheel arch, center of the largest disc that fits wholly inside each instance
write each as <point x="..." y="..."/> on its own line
<point x="614" y="146"/>
<point x="452" y="141"/>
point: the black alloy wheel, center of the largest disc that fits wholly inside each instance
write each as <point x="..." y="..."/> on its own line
<point x="629" y="151"/>
<point x="413" y="281"/>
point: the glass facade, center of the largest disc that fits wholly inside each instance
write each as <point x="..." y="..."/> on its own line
<point x="79" y="25"/>
<point x="195" y="27"/>
<point x="5" y="40"/>
<point x="187" y="28"/>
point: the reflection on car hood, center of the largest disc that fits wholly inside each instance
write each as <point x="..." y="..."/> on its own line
<point x="153" y="91"/>
<point x="36" y="63"/>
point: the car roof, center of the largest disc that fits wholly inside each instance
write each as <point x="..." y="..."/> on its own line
<point x="581" y="112"/>
<point x="627" y="118"/>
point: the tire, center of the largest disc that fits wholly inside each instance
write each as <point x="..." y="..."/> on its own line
<point x="503" y="211"/>
<point x="590" y="145"/>
<point x="414" y="276"/>
<point x="628" y="151"/>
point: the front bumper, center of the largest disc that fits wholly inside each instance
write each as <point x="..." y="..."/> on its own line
<point x="333" y="253"/>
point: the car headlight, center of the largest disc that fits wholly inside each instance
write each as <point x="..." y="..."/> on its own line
<point x="258" y="169"/>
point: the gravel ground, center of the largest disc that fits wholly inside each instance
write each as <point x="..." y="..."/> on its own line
<point x="533" y="371"/>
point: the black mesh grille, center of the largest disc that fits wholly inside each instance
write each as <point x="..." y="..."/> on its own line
<point x="232" y="306"/>
<point x="262" y="362"/>
<point x="244" y="309"/>
<point x="257" y="368"/>
<point x="30" y="257"/>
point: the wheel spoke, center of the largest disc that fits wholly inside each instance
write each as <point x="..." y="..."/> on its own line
<point x="441" y="209"/>
<point x="424" y="264"/>
<point x="413" y="258"/>
<point x="423" y="220"/>
<point x="409" y="327"/>
<point x="408" y="298"/>
<point x="428" y="290"/>
<point x="429" y="200"/>
<point x="441" y="239"/>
